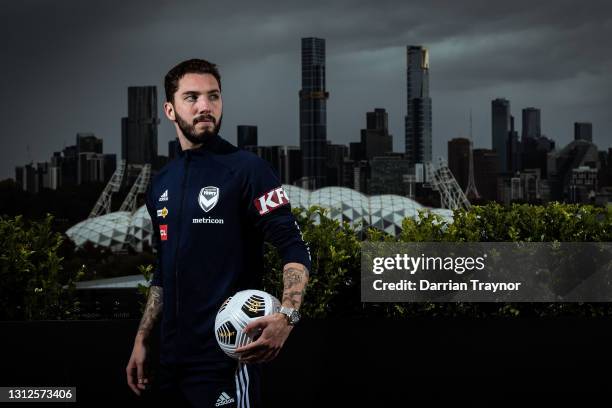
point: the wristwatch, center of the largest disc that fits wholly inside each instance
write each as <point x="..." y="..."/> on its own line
<point x="292" y="315"/>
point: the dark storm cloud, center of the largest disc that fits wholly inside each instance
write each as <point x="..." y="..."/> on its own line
<point x="66" y="65"/>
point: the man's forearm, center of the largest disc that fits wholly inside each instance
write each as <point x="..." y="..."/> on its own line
<point x="151" y="313"/>
<point x="295" y="278"/>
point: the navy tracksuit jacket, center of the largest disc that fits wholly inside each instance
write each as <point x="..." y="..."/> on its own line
<point x="212" y="208"/>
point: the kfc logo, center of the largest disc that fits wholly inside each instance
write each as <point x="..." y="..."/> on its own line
<point x="163" y="232"/>
<point x="271" y="201"/>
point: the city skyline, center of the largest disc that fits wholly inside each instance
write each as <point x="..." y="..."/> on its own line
<point x="85" y="91"/>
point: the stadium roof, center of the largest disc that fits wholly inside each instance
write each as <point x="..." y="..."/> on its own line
<point x="120" y="230"/>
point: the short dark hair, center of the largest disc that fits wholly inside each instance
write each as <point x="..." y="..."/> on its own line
<point x="192" y="66"/>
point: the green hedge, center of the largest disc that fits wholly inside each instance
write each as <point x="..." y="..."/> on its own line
<point x="34" y="285"/>
<point x="335" y="248"/>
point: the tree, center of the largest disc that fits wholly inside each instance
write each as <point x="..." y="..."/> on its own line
<point x="34" y="283"/>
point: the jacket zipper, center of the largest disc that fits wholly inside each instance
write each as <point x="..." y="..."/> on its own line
<point x="180" y="220"/>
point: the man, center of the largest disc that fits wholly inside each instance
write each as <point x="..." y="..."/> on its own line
<point x="212" y="208"/>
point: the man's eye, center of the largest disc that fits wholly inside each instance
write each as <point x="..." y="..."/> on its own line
<point x="190" y="98"/>
<point x="214" y="97"/>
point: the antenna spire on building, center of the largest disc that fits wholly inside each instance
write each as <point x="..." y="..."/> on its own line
<point x="470" y="190"/>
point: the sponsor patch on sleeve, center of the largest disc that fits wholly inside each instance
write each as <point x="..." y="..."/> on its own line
<point x="163" y="232"/>
<point x="271" y="200"/>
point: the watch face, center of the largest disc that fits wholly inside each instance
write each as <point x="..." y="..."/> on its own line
<point x="295" y="317"/>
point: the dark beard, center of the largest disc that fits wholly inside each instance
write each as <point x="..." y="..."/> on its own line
<point x="190" y="133"/>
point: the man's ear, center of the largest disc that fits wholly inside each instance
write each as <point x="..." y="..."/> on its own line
<point x="169" y="111"/>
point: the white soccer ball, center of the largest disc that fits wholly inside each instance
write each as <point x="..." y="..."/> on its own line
<point x="236" y="313"/>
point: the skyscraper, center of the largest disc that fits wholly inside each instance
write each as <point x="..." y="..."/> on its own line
<point x="387" y="174"/>
<point x="89" y="143"/>
<point x="336" y="154"/>
<point x="500" y="131"/>
<point x="459" y="160"/>
<point x="90" y="167"/>
<point x="513" y="149"/>
<point x="535" y="154"/>
<point x="69" y="166"/>
<point x="375" y="139"/>
<point x="583" y="131"/>
<point x="485" y="172"/>
<point x="285" y="160"/>
<point x="418" y="116"/>
<point x="313" y="112"/>
<point x="532" y="127"/>
<point x="139" y="128"/>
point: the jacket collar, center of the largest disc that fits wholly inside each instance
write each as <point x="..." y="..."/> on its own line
<point x="208" y="145"/>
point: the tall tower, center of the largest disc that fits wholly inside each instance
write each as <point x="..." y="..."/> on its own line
<point x="313" y="112"/>
<point x="471" y="191"/>
<point x="375" y="139"/>
<point x="500" y="131"/>
<point x="459" y="160"/>
<point x="139" y="128"/>
<point x="583" y="131"/>
<point x="418" y="121"/>
<point x="532" y="127"/>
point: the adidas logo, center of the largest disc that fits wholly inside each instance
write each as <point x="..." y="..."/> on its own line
<point x="164" y="197"/>
<point x="224" y="399"/>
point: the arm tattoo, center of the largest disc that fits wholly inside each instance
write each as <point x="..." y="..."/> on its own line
<point x="294" y="280"/>
<point x="152" y="311"/>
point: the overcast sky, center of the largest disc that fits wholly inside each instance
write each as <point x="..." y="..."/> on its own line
<point x="66" y="65"/>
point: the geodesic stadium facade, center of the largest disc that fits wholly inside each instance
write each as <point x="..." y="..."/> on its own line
<point x="120" y="230"/>
<point x="384" y="212"/>
<point x="116" y="231"/>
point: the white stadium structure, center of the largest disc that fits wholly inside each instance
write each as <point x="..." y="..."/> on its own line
<point x="117" y="230"/>
<point x="131" y="228"/>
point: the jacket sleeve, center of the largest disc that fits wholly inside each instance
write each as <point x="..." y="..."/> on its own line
<point x="156" y="240"/>
<point x="270" y="211"/>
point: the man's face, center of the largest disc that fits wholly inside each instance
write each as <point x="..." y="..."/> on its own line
<point x="198" y="108"/>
